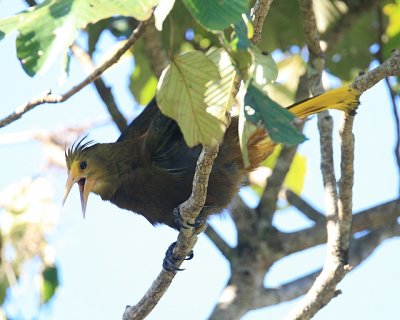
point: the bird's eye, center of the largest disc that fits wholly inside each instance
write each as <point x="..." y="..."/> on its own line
<point x="83" y="165"/>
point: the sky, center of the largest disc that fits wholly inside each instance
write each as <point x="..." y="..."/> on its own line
<point x="108" y="260"/>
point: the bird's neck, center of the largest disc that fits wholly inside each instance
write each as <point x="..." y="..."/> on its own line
<point x="117" y="160"/>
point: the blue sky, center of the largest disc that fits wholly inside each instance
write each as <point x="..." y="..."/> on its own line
<point x="109" y="259"/>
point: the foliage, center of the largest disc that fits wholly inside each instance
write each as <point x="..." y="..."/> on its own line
<point x="27" y="215"/>
<point x="210" y="51"/>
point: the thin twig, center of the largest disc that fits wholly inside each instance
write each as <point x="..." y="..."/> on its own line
<point x="381" y="33"/>
<point x="48" y="97"/>
<point x="220" y="243"/>
<point x="390" y="67"/>
<point x="304" y="207"/>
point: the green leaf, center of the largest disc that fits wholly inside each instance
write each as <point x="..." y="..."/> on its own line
<point x="47" y="30"/>
<point x="264" y="69"/>
<point x="50" y="283"/>
<point x="181" y="93"/>
<point x="294" y="179"/>
<point x="242" y="33"/>
<point x="392" y="11"/>
<point x="143" y="82"/>
<point x="218" y="96"/>
<point x="217" y="14"/>
<point x="278" y="121"/>
<point x="4" y="285"/>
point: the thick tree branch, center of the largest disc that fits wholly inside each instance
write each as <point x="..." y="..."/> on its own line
<point x="48" y="97"/>
<point x="360" y="250"/>
<point x="338" y="224"/>
<point x="380" y="216"/>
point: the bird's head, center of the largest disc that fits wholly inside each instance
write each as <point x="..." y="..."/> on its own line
<point x="86" y="167"/>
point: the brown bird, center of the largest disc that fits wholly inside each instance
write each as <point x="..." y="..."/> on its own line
<point x="149" y="169"/>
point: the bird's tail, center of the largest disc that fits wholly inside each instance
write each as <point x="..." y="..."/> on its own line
<point x="345" y="99"/>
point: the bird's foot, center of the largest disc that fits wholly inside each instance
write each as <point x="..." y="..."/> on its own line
<point x="169" y="262"/>
<point x="199" y="223"/>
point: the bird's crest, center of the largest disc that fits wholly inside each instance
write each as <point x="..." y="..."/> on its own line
<point x="76" y="149"/>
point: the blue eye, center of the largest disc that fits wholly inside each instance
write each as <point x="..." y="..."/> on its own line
<point x="83" y="165"/>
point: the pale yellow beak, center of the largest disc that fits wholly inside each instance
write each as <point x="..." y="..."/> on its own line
<point x="85" y="186"/>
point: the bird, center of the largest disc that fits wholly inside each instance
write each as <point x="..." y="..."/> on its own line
<point x="149" y="170"/>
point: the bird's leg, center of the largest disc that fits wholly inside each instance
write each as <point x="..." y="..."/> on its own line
<point x="199" y="223"/>
<point x="169" y="262"/>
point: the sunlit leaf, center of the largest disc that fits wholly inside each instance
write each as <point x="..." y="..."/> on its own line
<point x="217" y="15"/>
<point x="294" y="179"/>
<point x="47" y="30"/>
<point x="278" y="121"/>
<point x="162" y="11"/>
<point x="264" y="68"/>
<point x="392" y="11"/>
<point x="181" y="93"/>
<point x="218" y="96"/>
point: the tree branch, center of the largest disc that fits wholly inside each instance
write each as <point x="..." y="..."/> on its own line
<point x="48" y="97"/>
<point x="220" y="243"/>
<point x="338" y="224"/>
<point x="268" y="202"/>
<point x="154" y="49"/>
<point x="186" y="238"/>
<point x="380" y="216"/>
<point x="101" y="87"/>
<point x="360" y="250"/>
<point x="304" y="207"/>
<point x="390" y="67"/>
<point x="258" y="14"/>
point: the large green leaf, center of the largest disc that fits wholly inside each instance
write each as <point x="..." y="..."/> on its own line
<point x="218" y="96"/>
<point x="278" y="121"/>
<point x="47" y="30"/>
<point x="217" y="14"/>
<point x="181" y="93"/>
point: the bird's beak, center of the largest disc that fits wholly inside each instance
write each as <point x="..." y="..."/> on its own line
<point x="85" y="186"/>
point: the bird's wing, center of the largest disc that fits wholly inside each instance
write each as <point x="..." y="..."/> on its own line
<point x="141" y="123"/>
<point x="164" y="143"/>
<point x="167" y="148"/>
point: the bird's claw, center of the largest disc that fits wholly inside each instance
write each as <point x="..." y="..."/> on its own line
<point x="169" y="262"/>
<point x="198" y="222"/>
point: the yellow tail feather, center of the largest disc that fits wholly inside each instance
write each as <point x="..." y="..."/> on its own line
<point x="344" y="98"/>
